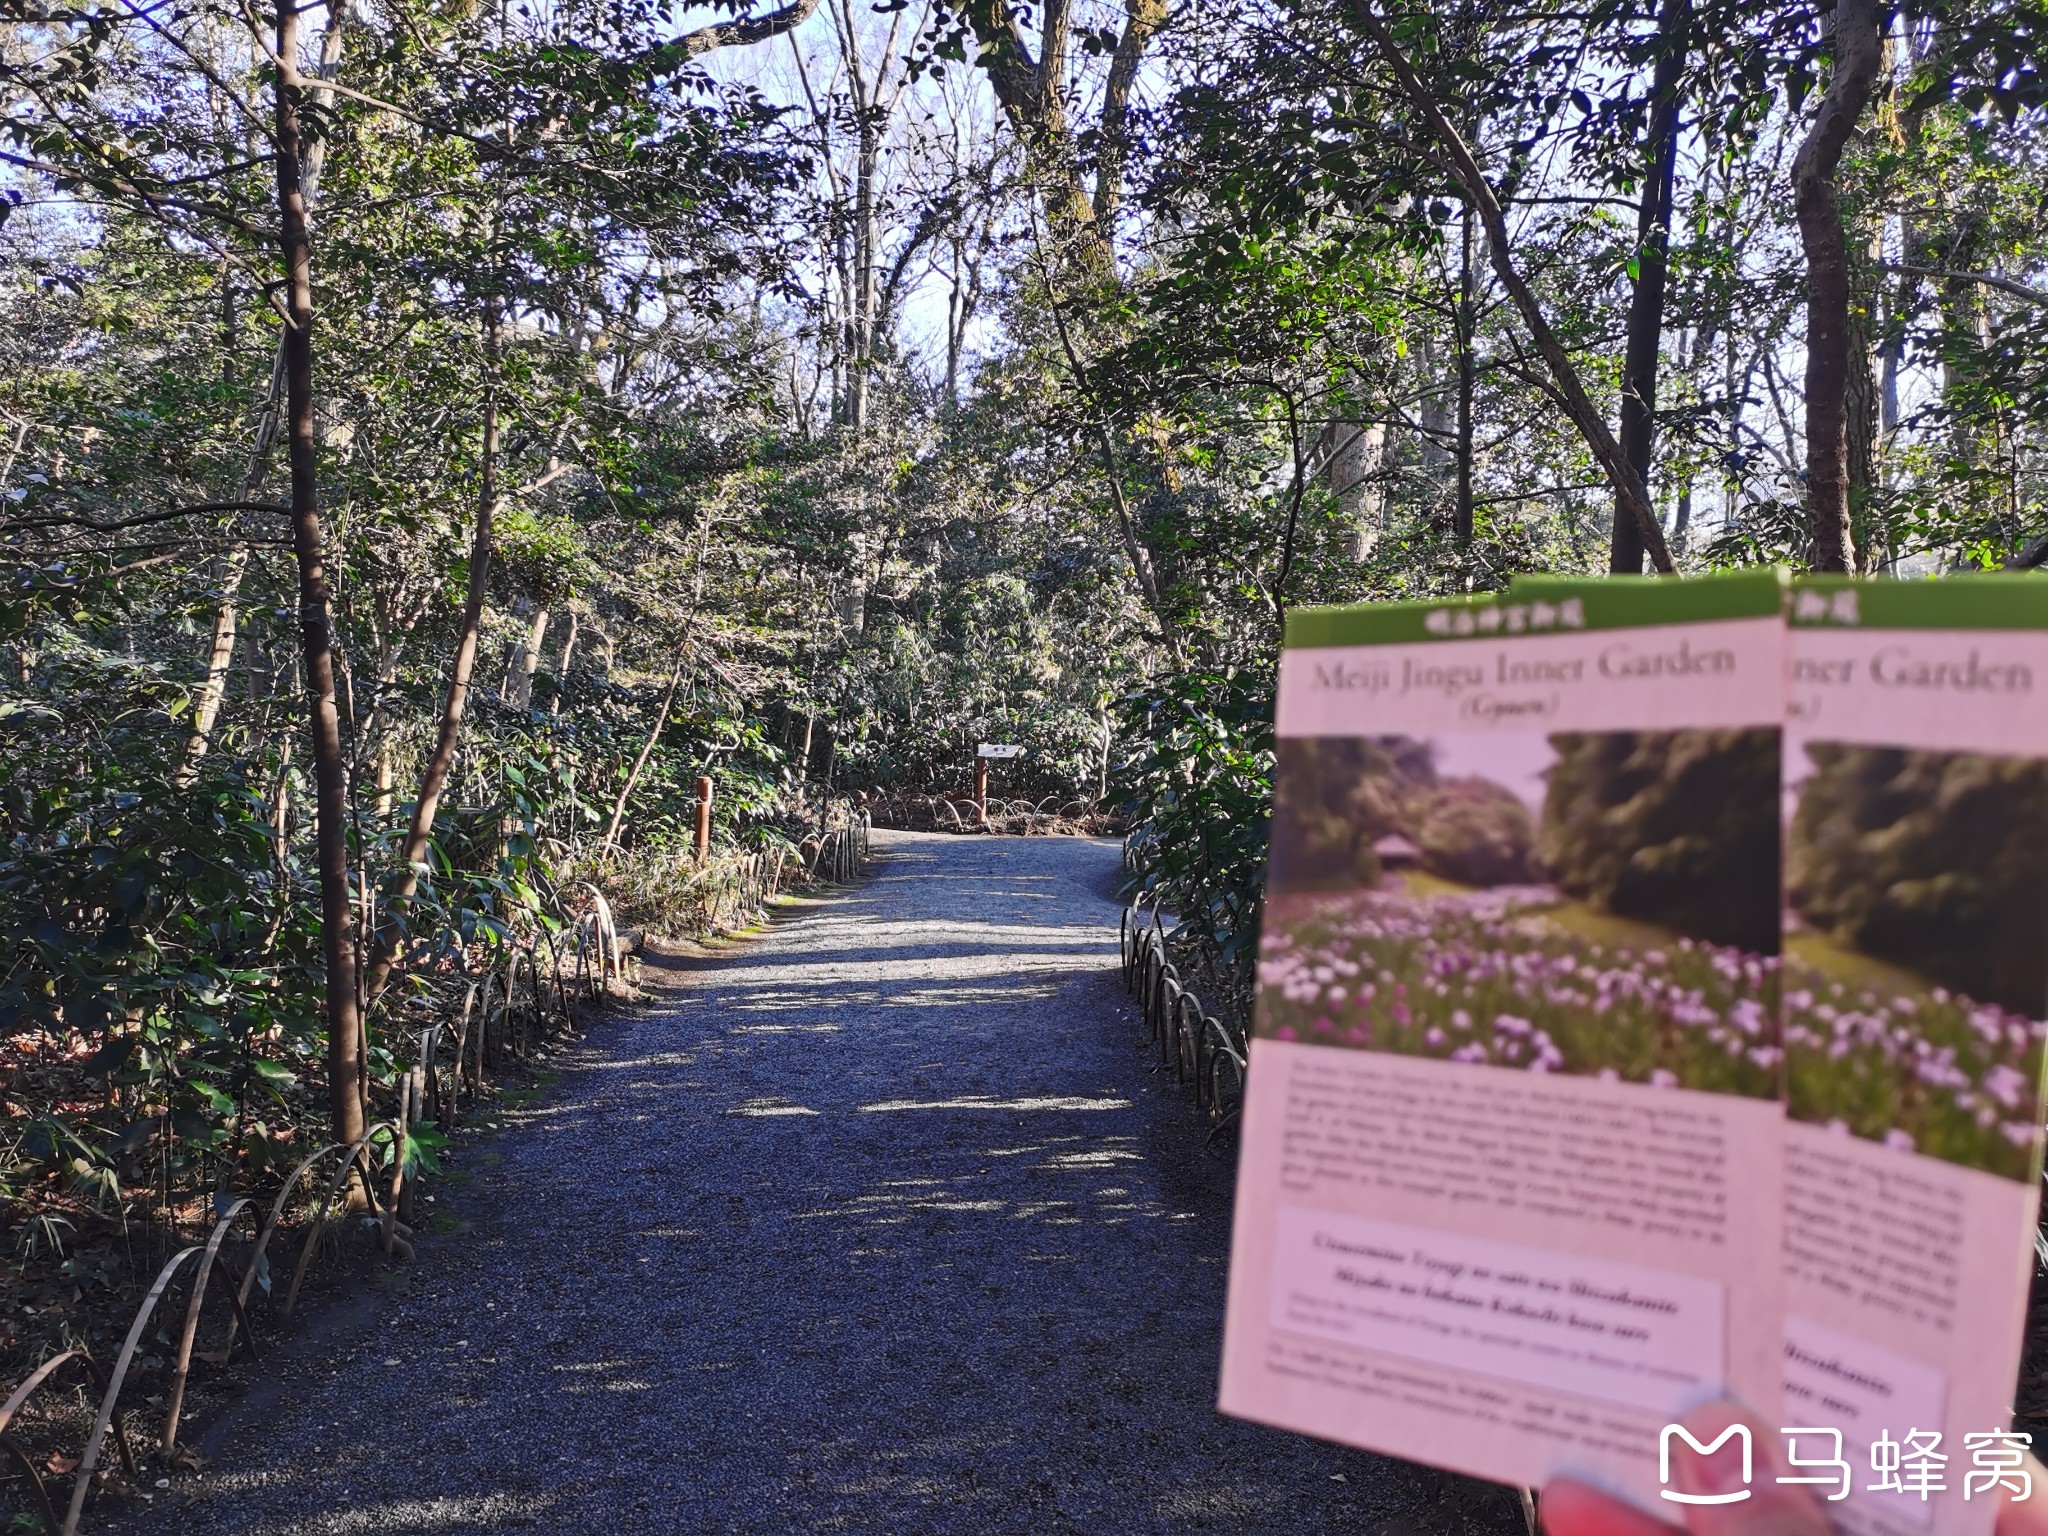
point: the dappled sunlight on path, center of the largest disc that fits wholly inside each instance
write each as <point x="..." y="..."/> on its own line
<point x="876" y="1224"/>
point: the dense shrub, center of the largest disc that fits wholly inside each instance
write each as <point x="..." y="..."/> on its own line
<point x="1675" y="827"/>
<point x="1938" y="860"/>
<point x="1474" y="831"/>
<point x="1199" y="794"/>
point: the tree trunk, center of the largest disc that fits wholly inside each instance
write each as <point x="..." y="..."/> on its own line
<point x="865" y="256"/>
<point x="1468" y="378"/>
<point x="1691" y="347"/>
<point x="1731" y="390"/>
<point x="519" y="679"/>
<point x="1904" y="296"/>
<point x="220" y="660"/>
<point x="1142" y="19"/>
<point x="1863" y="410"/>
<point x="387" y="779"/>
<point x="611" y="831"/>
<point x="832" y="264"/>
<point x="281" y="812"/>
<point x="220" y="654"/>
<point x="1033" y="93"/>
<point x="1352" y="460"/>
<point x="1436" y="419"/>
<point x="1102" y="776"/>
<point x="1638" y="434"/>
<point x="316" y="620"/>
<point x="562" y="671"/>
<point x="1830" y="339"/>
<point x="956" y="325"/>
<point x="434" y="778"/>
<point x="390" y="627"/>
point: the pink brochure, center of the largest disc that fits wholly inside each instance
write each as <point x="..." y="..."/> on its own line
<point x="1509" y="1194"/>
<point x="1916" y="976"/>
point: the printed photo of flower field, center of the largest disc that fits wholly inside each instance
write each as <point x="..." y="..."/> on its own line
<point x="1603" y="905"/>
<point x="1508" y="979"/>
<point x="1916" y="968"/>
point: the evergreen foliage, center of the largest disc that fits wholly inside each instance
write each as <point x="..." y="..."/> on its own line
<point x="1674" y="827"/>
<point x="1937" y="861"/>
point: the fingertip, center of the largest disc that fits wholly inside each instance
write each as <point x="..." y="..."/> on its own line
<point x="2028" y="1516"/>
<point x="1567" y="1507"/>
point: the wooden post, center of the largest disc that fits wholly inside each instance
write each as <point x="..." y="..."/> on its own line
<point x="703" y="818"/>
<point x="981" y="791"/>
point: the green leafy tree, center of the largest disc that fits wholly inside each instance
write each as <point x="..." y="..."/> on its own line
<point x="1674" y="827"/>
<point x="1936" y="860"/>
<point x="1475" y="831"/>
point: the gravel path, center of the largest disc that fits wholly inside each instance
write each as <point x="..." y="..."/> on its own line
<point x="878" y="1224"/>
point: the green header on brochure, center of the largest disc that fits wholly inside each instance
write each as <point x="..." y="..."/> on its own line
<point x="1627" y="602"/>
<point x="1991" y="600"/>
<point x="1547" y="604"/>
<point x="1390" y="623"/>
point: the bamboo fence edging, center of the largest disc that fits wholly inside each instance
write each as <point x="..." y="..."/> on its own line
<point x="322" y="1212"/>
<point x="1051" y="816"/>
<point x="498" y="1016"/>
<point x="270" y="1224"/>
<point x="19" y="1399"/>
<point x="392" y="1232"/>
<point x="192" y="1308"/>
<point x="1200" y="1047"/>
<point x="89" y="1458"/>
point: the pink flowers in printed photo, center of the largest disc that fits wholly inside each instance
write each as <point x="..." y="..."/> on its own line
<point x="1498" y="978"/>
<point x="1485" y="977"/>
<point x="1938" y="1073"/>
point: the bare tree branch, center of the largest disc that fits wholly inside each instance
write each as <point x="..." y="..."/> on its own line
<point x="114" y="525"/>
<point x="740" y="32"/>
<point x="1989" y="280"/>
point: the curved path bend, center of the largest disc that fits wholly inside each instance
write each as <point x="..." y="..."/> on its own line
<point x="877" y="1224"/>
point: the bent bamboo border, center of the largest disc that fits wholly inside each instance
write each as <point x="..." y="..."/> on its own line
<point x="192" y="1309"/>
<point x="208" y="1253"/>
<point x="18" y="1399"/>
<point x="1050" y="816"/>
<point x="324" y="1212"/>
<point x="89" y="1458"/>
<point x="1200" y="1048"/>
<point x="550" y="998"/>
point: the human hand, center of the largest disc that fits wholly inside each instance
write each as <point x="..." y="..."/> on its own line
<point x="1569" y="1508"/>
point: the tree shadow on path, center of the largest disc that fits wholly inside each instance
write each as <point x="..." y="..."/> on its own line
<point x="876" y="1223"/>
